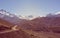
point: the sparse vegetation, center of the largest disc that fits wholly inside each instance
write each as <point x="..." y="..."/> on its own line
<point x="43" y="27"/>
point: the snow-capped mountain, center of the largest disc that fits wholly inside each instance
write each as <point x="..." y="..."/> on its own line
<point x="29" y="17"/>
<point x="15" y="20"/>
<point x="53" y="15"/>
<point x="9" y="17"/>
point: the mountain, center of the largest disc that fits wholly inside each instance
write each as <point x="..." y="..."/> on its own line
<point x="10" y="27"/>
<point x="46" y="24"/>
<point x="13" y="32"/>
<point x="53" y="15"/>
<point x="6" y="23"/>
<point x="9" y="17"/>
<point x="29" y="17"/>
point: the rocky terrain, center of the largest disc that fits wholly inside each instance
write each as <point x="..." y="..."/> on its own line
<point x="40" y="27"/>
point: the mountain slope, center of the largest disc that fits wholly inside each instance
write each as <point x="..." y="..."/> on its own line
<point x="6" y="23"/>
<point x="47" y="24"/>
<point x="7" y="31"/>
<point x="14" y="34"/>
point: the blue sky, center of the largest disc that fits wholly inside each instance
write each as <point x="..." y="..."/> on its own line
<point x="31" y="7"/>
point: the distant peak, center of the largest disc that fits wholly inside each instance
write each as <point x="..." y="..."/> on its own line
<point x="4" y="12"/>
<point x="53" y="15"/>
<point x="57" y="12"/>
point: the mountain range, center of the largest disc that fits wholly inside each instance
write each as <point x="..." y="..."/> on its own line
<point x="12" y="26"/>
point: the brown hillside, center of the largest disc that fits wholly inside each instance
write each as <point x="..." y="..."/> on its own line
<point x="6" y="31"/>
<point x="8" y="24"/>
<point x="14" y="34"/>
<point x="46" y="24"/>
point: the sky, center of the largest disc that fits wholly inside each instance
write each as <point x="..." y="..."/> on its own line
<point x="31" y="7"/>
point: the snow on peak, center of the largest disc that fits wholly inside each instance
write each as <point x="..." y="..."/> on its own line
<point x="3" y="13"/>
<point x="57" y="13"/>
<point x="29" y="17"/>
